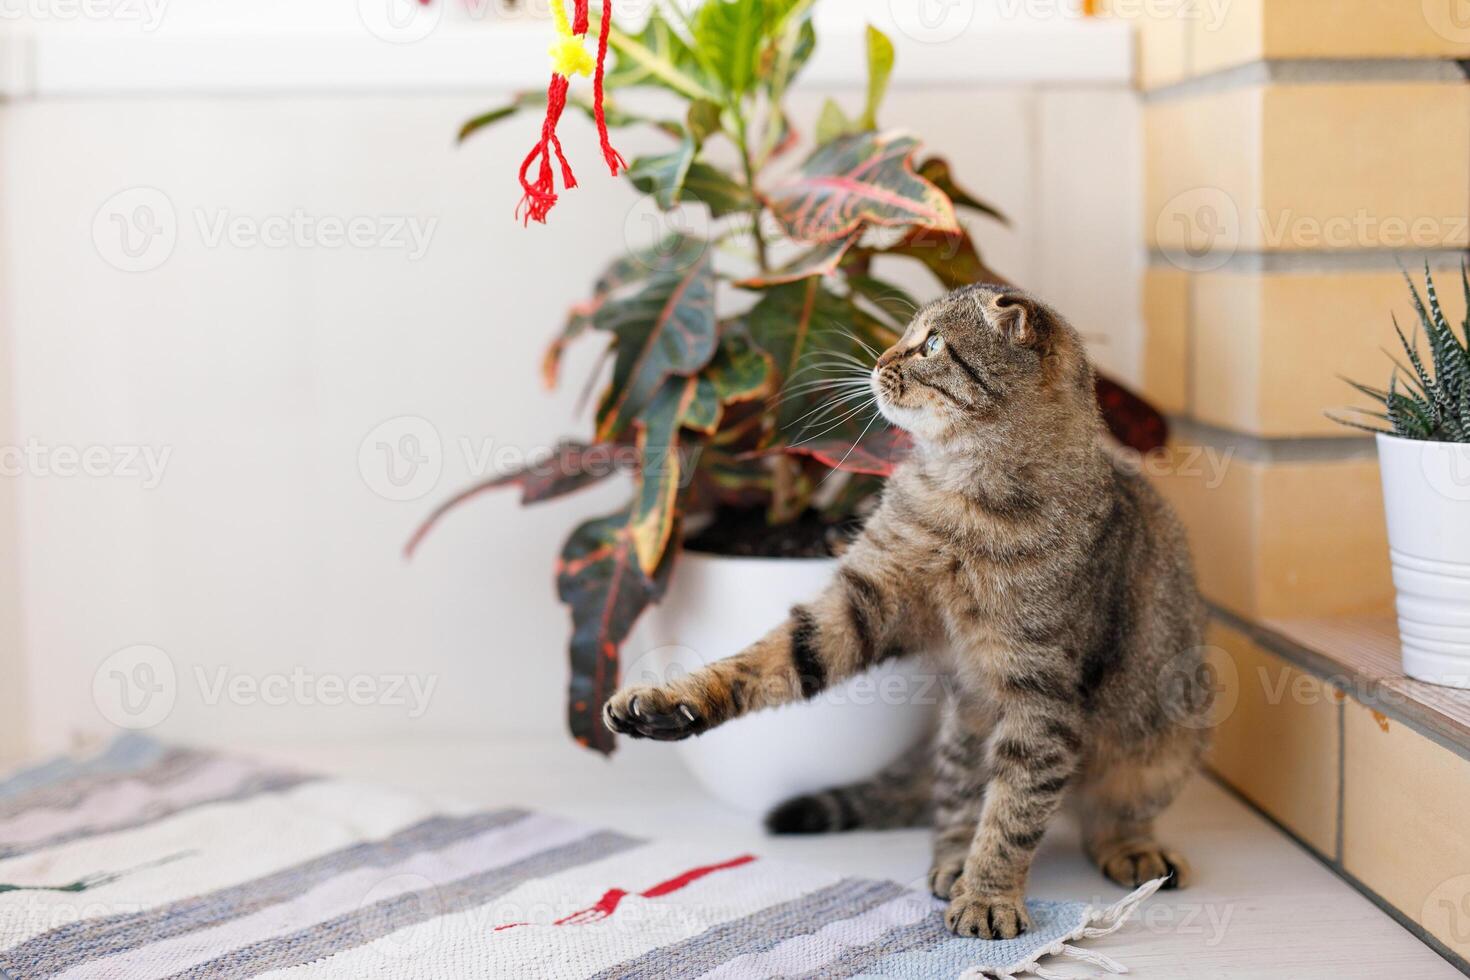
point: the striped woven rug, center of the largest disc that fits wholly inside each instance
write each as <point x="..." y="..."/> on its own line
<point x="146" y="861"/>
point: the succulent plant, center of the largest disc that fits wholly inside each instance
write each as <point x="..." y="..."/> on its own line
<point x="1428" y="402"/>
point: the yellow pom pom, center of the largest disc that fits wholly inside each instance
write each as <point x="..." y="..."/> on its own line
<point x="569" y="58"/>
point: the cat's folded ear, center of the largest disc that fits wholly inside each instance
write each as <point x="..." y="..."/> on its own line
<point x="1019" y="319"/>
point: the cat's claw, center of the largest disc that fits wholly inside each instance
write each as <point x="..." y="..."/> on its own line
<point x="651" y="713"/>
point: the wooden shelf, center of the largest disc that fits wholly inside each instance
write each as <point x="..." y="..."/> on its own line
<point x="1360" y="655"/>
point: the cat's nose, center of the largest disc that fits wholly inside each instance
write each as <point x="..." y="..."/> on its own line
<point x="889" y="356"/>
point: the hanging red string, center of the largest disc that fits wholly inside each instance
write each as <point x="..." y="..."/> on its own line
<point x="568" y="57"/>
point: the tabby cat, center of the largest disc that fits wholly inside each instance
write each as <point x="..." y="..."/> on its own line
<point x="1047" y="582"/>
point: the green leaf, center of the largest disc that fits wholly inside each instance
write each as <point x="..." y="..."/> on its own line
<point x="666" y="328"/>
<point x="740" y="372"/>
<point x="833" y="123"/>
<point x="880" y="67"/>
<point x="614" y="115"/>
<point x="703" y="120"/>
<point x="521" y="101"/>
<point x="599" y="578"/>
<point x="936" y="171"/>
<point x="720" y="192"/>
<point x="731" y="35"/>
<point x="663" y="175"/>
<point x="658" y="56"/>
<point x="857" y="180"/>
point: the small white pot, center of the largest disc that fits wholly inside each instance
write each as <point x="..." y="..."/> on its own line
<point x="1426" y="493"/>
<point x="716" y="606"/>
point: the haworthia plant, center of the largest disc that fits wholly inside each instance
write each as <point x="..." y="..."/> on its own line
<point x="1427" y="401"/>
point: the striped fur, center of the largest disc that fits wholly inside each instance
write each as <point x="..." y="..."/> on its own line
<point x="1050" y="584"/>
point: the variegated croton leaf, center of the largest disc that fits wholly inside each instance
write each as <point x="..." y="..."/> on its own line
<point x="599" y="578"/>
<point x="569" y="467"/>
<point x="673" y="253"/>
<point x="867" y="178"/>
<point x="875" y="454"/>
<point x="666" y="328"/>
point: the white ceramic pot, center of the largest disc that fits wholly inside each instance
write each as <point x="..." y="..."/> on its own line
<point x="1426" y="492"/>
<point x="716" y="606"/>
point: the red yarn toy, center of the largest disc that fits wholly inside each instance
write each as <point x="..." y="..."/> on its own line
<point x="568" y="57"/>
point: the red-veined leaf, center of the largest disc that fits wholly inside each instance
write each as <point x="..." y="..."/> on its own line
<point x="820" y="261"/>
<point x="867" y="178"/>
<point x="571" y="466"/>
<point x="672" y="253"/>
<point x="599" y="579"/>
<point x="666" y="328"/>
<point x="877" y="454"/>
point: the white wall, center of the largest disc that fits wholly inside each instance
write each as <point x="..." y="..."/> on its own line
<point x="264" y="550"/>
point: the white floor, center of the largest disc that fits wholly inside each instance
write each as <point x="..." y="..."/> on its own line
<point x="1260" y="906"/>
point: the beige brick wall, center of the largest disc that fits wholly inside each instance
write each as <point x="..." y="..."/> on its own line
<point x="1277" y="539"/>
<point x="1309" y="168"/>
<point x="1180" y="39"/>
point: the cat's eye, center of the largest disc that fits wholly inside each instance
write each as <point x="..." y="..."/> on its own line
<point x="932" y="345"/>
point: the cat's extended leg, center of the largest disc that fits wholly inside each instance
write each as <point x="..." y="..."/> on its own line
<point x="862" y="618"/>
<point x="1119" y="805"/>
<point x="960" y="775"/>
<point x="1033" y="754"/>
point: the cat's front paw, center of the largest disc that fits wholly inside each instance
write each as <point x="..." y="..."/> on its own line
<point x="652" y="712"/>
<point x="987" y="916"/>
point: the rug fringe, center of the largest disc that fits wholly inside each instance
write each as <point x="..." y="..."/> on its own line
<point x="1101" y="922"/>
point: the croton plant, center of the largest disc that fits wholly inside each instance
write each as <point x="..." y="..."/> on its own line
<point x="733" y="351"/>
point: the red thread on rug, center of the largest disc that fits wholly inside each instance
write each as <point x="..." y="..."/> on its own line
<point x="608" y="903"/>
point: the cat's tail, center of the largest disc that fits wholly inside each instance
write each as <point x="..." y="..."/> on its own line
<point x="899" y="796"/>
